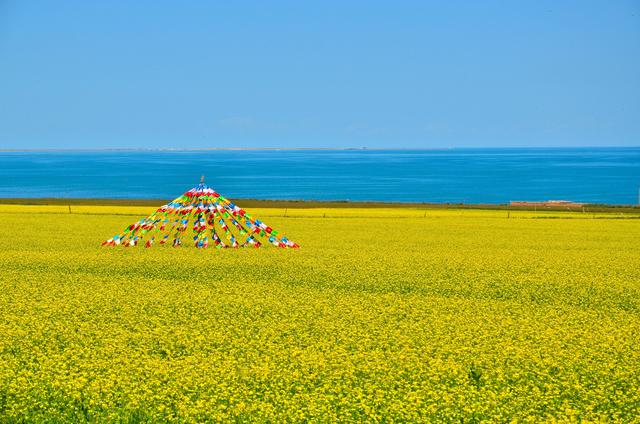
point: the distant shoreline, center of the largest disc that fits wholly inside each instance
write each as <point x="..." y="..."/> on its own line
<point x="311" y="204"/>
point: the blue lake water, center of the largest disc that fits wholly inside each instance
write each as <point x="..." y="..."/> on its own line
<point x="596" y="175"/>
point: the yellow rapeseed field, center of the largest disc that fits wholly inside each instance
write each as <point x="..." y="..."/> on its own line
<point x="383" y="314"/>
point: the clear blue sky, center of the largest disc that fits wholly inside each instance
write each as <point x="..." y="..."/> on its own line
<point x="319" y="74"/>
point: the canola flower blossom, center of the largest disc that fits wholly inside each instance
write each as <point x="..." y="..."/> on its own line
<point x="443" y="316"/>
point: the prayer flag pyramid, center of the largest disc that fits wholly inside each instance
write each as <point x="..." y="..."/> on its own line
<point x="203" y="217"/>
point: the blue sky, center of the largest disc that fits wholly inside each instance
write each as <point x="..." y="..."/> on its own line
<point x="425" y="74"/>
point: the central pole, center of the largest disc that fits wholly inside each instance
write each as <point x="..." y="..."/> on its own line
<point x="202" y="179"/>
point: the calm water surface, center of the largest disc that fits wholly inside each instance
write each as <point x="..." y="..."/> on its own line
<point x="597" y="175"/>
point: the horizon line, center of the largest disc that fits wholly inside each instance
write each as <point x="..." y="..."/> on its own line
<point x="364" y="148"/>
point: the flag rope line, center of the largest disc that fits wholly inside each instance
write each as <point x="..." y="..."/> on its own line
<point x="200" y="211"/>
